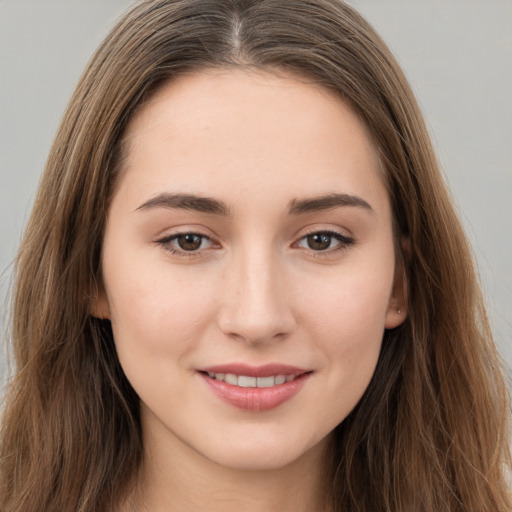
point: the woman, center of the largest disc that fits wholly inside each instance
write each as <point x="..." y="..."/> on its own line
<point x="243" y="283"/>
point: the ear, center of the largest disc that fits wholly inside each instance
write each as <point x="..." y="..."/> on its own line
<point x="397" y="306"/>
<point x="99" y="304"/>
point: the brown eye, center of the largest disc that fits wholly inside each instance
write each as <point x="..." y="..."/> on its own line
<point x="189" y="241"/>
<point x="319" y="241"/>
<point x="328" y="242"/>
<point x="187" y="244"/>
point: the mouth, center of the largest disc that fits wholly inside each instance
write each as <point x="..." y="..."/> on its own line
<point x="247" y="381"/>
<point x="255" y="388"/>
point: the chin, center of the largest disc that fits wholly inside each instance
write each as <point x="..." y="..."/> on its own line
<point x="263" y="455"/>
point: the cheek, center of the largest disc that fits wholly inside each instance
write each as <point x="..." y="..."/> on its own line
<point x="156" y="310"/>
<point x="345" y="316"/>
<point x="159" y="318"/>
<point x="351" y="304"/>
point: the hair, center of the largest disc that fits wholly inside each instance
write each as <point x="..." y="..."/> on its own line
<point x="430" y="432"/>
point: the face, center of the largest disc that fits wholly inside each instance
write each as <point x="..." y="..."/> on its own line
<point x="248" y="266"/>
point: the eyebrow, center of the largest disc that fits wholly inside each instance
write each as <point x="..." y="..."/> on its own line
<point x="187" y="202"/>
<point x="326" y="202"/>
<point x="214" y="206"/>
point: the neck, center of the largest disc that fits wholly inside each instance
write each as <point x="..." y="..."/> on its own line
<point x="177" y="478"/>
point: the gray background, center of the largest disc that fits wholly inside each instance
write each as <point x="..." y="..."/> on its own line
<point x="457" y="55"/>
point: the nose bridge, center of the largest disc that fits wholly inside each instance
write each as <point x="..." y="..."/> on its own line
<point x="256" y="305"/>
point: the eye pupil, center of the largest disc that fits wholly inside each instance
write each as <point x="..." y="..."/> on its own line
<point x="319" y="241"/>
<point x="189" y="242"/>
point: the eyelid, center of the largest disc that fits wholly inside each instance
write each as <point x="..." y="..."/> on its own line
<point x="329" y="231"/>
<point x="165" y="243"/>
<point x="344" y="241"/>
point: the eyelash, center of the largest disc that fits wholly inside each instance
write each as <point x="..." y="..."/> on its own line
<point x="166" y="244"/>
<point x="344" y="243"/>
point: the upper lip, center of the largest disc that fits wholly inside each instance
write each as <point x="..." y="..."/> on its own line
<point x="266" y="370"/>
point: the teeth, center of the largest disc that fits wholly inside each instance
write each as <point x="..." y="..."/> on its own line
<point x="281" y="379"/>
<point x="266" y="382"/>
<point x="245" y="381"/>
<point x="231" y="379"/>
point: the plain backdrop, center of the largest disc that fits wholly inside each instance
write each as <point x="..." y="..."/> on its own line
<point x="457" y="55"/>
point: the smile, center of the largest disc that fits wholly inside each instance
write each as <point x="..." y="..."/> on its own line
<point x="246" y="381"/>
<point x="255" y="389"/>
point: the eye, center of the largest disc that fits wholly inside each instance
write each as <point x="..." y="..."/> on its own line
<point x="189" y="241"/>
<point x="325" y="241"/>
<point x="185" y="244"/>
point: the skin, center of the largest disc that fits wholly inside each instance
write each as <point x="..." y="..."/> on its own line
<point x="257" y="291"/>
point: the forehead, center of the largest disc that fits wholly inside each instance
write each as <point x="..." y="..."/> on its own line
<point x="220" y="131"/>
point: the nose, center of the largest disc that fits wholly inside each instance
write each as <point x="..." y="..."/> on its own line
<point x="256" y="307"/>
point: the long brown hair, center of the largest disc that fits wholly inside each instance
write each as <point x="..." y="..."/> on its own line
<point x="430" y="432"/>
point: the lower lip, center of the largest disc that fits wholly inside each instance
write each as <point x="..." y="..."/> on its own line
<point x="256" y="399"/>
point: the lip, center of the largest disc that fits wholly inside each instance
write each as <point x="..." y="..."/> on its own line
<point x="255" y="399"/>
